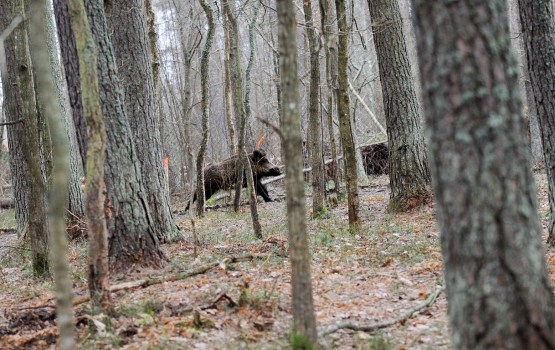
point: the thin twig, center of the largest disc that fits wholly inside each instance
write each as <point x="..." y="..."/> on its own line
<point x="21" y="120"/>
<point x="273" y="126"/>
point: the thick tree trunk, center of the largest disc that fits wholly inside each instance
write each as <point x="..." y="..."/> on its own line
<point x="71" y="67"/>
<point x="37" y="225"/>
<point x="14" y="112"/>
<point x="40" y="37"/>
<point x="538" y="27"/>
<point x="317" y="161"/>
<point x="304" y="321"/>
<point x="409" y="176"/>
<point x="344" y="111"/>
<point x="497" y="285"/>
<point x="133" y="237"/>
<point x="205" y="105"/>
<point x="128" y="29"/>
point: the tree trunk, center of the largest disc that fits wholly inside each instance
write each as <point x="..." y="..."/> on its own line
<point x="96" y="156"/>
<point x="49" y="99"/>
<point x="534" y="136"/>
<point x="205" y="105"/>
<point x="127" y="22"/>
<point x="75" y="205"/>
<point x="314" y="113"/>
<point x="329" y="44"/>
<point x="497" y="285"/>
<point x="304" y="321"/>
<point x="68" y="49"/>
<point x="228" y="97"/>
<point x="244" y="156"/>
<point x="409" y="176"/>
<point x="238" y="94"/>
<point x="344" y="111"/>
<point x="14" y="112"/>
<point x="37" y="225"/>
<point x="538" y="28"/>
<point x="133" y="237"/>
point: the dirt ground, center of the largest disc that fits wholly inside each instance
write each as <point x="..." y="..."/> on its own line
<point x="389" y="267"/>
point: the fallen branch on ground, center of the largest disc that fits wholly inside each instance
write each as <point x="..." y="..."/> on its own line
<point x="374" y="326"/>
<point x="146" y="282"/>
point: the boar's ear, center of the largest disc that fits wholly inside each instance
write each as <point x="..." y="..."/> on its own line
<point x="258" y="154"/>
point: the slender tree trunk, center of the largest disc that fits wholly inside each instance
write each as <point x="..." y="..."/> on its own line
<point x="409" y="176"/>
<point x="304" y="320"/>
<point x="244" y="156"/>
<point x="96" y="156"/>
<point x="133" y="237"/>
<point x="497" y="285"/>
<point x="128" y="28"/>
<point x="329" y="47"/>
<point x="314" y="113"/>
<point x="238" y="94"/>
<point x="228" y="98"/>
<point x="538" y="27"/>
<point x="204" y="75"/>
<point x="344" y="111"/>
<point x="70" y="61"/>
<point x="48" y="93"/>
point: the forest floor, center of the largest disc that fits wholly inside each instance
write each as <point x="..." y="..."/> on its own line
<point x="376" y="275"/>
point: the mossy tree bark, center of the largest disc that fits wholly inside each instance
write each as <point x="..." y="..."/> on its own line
<point x="304" y="320"/>
<point x="538" y="28"/>
<point x="36" y="201"/>
<point x="57" y="198"/>
<point x="495" y="269"/>
<point x="96" y="156"/>
<point x="409" y="176"/>
<point x="129" y="36"/>
<point x="344" y="111"/>
<point x="314" y="112"/>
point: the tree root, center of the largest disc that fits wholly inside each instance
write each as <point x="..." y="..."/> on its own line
<point x="374" y="326"/>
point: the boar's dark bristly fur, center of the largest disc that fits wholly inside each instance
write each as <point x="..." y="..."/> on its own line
<point x="223" y="175"/>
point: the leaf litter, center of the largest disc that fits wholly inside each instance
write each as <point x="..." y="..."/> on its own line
<point x="392" y="265"/>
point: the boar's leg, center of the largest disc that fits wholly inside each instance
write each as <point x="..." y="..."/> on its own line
<point x="261" y="190"/>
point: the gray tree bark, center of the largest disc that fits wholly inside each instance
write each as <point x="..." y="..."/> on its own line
<point x="37" y="224"/>
<point x="70" y="61"/>
<point x="344" y="112"/>
<point x="133" y="236"/>
<point x="75" y="205"/>
<point x="409" y="176"/>
<point x="497" y="286"/>
<point x="317" y="161"/>
<point x="304" y="320"/>
<point x="128" y="30"/>
<point x="205" y="106"/>
<point x="538" y="27"/>
<point x="14" y="112"/>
